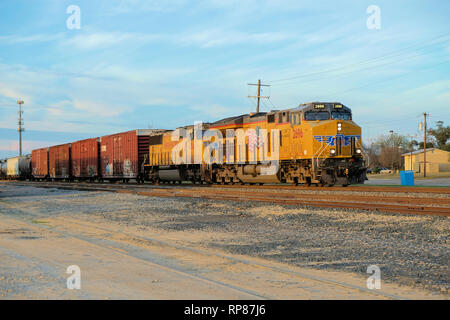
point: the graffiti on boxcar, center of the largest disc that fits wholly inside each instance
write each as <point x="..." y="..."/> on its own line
<point x="109" y="169"/>
<point x="127" y="169"/>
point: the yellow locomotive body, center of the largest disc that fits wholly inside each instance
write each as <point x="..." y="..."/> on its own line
<point x="314" y="143"/>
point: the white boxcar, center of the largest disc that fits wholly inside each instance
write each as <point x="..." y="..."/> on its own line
<point x="18" y="167"/>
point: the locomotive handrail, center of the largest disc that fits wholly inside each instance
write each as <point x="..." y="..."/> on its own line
<point x="319" y="153"/>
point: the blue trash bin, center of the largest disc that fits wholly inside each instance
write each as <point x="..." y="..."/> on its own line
<point x="407" y="178"/>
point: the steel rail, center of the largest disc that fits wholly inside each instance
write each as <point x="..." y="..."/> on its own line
<point x="408" y="205"/>
<point x="359" y="188"/>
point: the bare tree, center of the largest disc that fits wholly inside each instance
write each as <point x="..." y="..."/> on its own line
<point x="390" y="149"/>
<point x="372" y="151"/>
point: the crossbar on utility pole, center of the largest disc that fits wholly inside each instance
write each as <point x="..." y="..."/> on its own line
<point x="259" y="93"/>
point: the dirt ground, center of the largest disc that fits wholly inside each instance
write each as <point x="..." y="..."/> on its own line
<point x="136" y="247"/>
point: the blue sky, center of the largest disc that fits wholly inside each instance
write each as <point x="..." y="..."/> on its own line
<point x="162" y="64"/>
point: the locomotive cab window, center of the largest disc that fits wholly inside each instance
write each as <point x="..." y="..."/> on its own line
<point x="295" y="118"/>
<point x="341" y="115"/>
<point x="317" y="115"/>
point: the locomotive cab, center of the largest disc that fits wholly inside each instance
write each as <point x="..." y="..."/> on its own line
<point x="336" y="144"/>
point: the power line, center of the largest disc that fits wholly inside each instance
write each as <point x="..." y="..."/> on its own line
<point x="395" y="77"/>
<point x="403" y="59"/>
<point x="381" y="81"/>
<point x="361" y="62"/>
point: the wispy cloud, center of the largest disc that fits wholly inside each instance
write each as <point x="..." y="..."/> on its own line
<point x="98" y="108"/>
<point x="34" y="38"/>
<point x="27" y="145"/>
<point x="129" y="6"/>
<point x="204" y="39"/>
<point x="106" y="39"/>
<point x="165" y="62"/>
<point x="220" y="37"/>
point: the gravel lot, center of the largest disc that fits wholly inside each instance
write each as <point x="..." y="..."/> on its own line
<point x="410" y="250"/>
<point x="380" y="180"/>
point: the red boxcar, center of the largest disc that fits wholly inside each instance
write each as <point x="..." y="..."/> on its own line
<point x="59" y="161"/>
<point x="122" y="154"/>
<point x="39" y="163"/>
<point x="85" y="158"/>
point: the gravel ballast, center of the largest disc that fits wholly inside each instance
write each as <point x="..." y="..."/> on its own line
<point x="409" y="249"/>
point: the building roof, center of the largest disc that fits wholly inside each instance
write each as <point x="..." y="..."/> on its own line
<point x="421" y="151"/>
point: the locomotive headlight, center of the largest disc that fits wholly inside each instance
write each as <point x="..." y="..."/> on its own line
<point x="358" y="151"/>
<point x="339" y="126"/>
<point x="332" y="152"/>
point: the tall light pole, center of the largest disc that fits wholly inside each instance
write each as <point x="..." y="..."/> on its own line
<point x="20" y="128"/>
<point x="425" y="144"/>
<point x="393" y="147"/>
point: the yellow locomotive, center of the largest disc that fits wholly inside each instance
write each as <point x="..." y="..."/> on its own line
<point x="314" y="143"/>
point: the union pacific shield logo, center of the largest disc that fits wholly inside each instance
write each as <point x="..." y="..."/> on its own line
<point x="331" y="140"/>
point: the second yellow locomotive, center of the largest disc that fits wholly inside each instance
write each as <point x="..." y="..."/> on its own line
<point x="315" y="143"/>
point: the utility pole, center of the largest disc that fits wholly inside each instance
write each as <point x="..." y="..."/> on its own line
<point x="425" y="144"/>
<point x="259" y="93"/>
<point x="20" y="129"/>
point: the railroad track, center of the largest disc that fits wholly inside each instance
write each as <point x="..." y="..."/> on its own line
<point x="358" y="188"/>
<point x="336" y="199"/>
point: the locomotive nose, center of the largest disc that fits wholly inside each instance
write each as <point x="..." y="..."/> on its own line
<point x="338" y="138"/>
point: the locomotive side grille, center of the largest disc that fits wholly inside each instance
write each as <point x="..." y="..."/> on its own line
<point x="338" y="145"/>
<point x="353" y="145"/>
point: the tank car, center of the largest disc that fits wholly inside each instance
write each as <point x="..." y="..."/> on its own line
<point x="18" y="167"/>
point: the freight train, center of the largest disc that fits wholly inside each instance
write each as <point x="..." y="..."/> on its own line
<point x="315" y="143"/>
